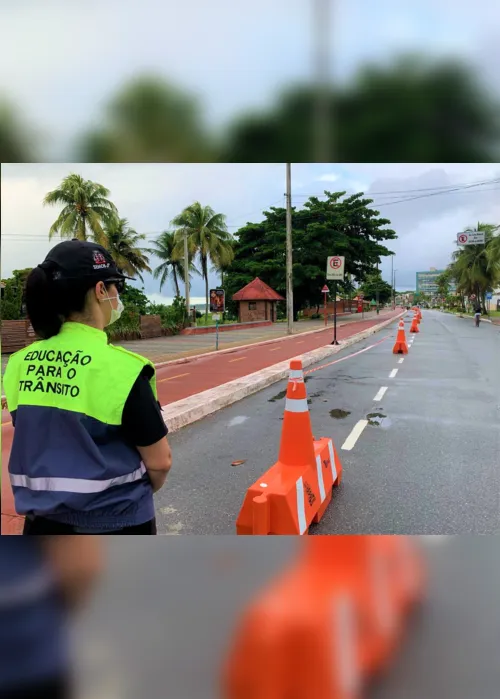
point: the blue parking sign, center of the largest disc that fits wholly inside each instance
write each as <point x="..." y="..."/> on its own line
<point x="489" y="295"/>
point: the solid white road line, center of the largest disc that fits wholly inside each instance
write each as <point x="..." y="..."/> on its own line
<point x="380" y="394"/>
<point x="393" y="373"/>
<point x="355" y="435"/>
<point x="400" y="361"/>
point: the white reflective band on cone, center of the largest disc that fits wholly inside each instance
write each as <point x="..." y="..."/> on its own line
<point x="384" y="605"/>
<point x="75" y="485"/>
<point x="345" y="643"/>
<point x="296" y="405"/>
<point x="332" y="460"/>
<point x="301" y="511"/>
<point x="319" y="469"/>
<point x="296" y="374"/>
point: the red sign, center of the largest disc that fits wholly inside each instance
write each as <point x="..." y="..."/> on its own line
<point x="463" y="238"/>
<point x="325" y="290"/>
<point x="335" y="262"/>
<point x="473" y="296"/>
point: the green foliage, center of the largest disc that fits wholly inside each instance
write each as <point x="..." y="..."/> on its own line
<point x="207" y="236"/>
<point x="135" y="299"/>
<point x="443" y="105"/>
<point x="336" y="225"/>
<point x="13" y="295"/>
<point x="149" y="120"/>
<point x="173" y="316"/>
<point x="123" y="242"/>
<point x="86" y="209"/>
<point x="476" y="268"/>
<point x="374" y="283"/>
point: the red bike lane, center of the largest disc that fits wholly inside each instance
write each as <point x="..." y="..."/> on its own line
<point x="178" y="381"/>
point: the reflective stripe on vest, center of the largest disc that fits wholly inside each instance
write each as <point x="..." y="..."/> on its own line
<point x="69" y="459"/>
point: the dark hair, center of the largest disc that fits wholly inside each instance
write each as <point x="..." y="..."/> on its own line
<point x="50" y="302"/>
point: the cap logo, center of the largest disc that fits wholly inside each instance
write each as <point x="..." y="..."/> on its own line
<point x="99" y="260"/>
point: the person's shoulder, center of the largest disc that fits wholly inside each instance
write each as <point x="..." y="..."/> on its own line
<point x="127" y="355"/>
<point x="23" y="352"/>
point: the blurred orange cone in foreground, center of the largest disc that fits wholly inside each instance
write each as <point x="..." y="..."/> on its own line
<point x="296" y="491"/>
<point x="329" y="623"/>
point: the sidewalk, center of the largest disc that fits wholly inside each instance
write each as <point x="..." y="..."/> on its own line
<point x="166" y="349"/>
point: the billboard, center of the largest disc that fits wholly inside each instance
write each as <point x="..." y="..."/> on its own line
<point x="217" y="301"/>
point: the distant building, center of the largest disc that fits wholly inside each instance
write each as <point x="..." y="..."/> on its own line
<point x="427" y="282"/>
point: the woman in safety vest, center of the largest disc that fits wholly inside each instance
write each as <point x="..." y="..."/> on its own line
<point x="42" y="582"/>
<point x="90" y="445"/>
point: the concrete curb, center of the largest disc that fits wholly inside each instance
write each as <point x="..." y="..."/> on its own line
<point x="483" y="320"/>
<point x="185" y="412"/>
<point x="228" y="350"/>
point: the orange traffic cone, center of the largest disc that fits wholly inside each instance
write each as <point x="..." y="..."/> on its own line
<point x="297" y="490"/>
<point x="414" y="325"/>
<point x="400" y="347"/>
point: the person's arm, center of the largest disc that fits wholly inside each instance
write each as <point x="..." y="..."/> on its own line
<point x="76" y="562"/>
<point x="157" y="459"/>
<point x="143" y="425"/>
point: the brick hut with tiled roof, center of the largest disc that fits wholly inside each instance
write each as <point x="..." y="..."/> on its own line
<point x="257" y="301"/>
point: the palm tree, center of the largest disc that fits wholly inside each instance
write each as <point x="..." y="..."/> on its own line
<point x="166" y="250"/>
<point x="207" y="236"/>
<point x="86" y="209"/>
<point x="122" y="241"/>
<point x="475" y="267"/>
<point x="223" y="260"/>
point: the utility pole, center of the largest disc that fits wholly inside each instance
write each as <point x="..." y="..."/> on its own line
<point x="186" y="277"/>
<point x="289" y="281"/>
<point x="378" y="291"/>
<point x="322" y="116"/>
<point x="392" y="279"/>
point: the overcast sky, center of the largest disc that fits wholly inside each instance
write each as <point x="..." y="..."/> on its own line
<point x="151" y="195"/>
<point x="234" y="55"/>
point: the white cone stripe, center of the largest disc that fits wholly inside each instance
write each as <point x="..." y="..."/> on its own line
<point x="319" y="470"/>
<point x="301" y="510"/>
<point x="346" y="646"/>
<point x="296" y="405"/>
<point x="296" y="373"/>
<point x="332" y="460"/>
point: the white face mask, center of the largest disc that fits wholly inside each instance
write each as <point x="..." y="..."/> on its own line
<point x="115" y="312"/>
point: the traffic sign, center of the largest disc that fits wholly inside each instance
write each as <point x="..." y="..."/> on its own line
<point x="361" y="295"/>
<point x="472" y="238"/>
<point x="473" y="296"/>
<point x="325" y="290"/>
<point x="489" y="295"/>
<point x="335" y="267"/>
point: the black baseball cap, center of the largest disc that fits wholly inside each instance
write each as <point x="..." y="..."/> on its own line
<point x="82" y="259"/>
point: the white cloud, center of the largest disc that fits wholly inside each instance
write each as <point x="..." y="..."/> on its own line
<point x="328" y="177"/>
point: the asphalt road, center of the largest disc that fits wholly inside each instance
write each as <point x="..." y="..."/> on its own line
<point x="162" y="622"/>
<point x="428" y="462"/>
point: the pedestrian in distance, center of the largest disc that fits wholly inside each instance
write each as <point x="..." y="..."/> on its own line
<point x="477" y="314"/>
<point x="44" y="581"/>
<point x="90" y="445"/>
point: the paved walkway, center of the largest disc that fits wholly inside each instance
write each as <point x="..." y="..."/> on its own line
<point x="165" y="349"/>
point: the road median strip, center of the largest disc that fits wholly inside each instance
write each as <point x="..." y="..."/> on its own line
<point x="188" y="410"/>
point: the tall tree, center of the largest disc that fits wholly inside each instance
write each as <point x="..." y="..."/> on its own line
<point x="397" y="113"/>
<point x="86" y="209"/>
<point x="334" y="225"/>
<point x="149" y="120"/>
<point x="123" y="242"/>
<point x="475" y="267"/>
<point x="164" y="248"/>
<point x="207" y="237"/>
